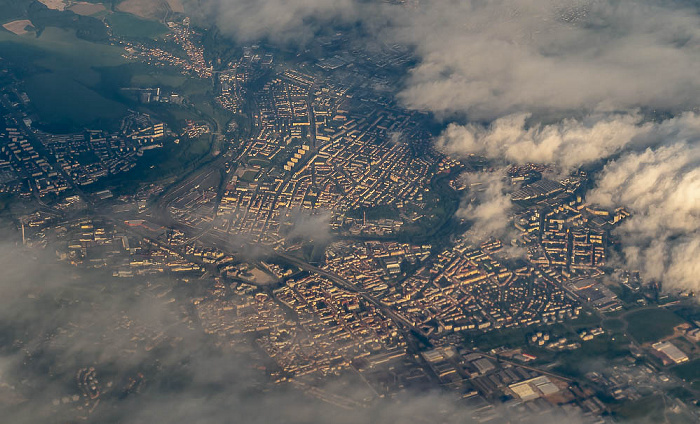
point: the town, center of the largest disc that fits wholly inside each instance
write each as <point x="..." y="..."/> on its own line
<point x="323" y="241"/>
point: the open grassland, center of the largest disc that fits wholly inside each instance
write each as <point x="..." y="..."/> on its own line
<point x="151" y="9"/>
<point x="11" y="10"/>
<point x="690" y="371"/>
<point x="153" y="79"/>
<point x="650" y="408"/>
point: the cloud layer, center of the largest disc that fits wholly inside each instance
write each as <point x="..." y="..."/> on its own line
<point x="487" y="205"/>
<point x="661" y="186"/>
<point x="487" y="60"/>
<point x="490" y="59"/>
<point x="278" y="20"/>
<point x="569" y="143"/>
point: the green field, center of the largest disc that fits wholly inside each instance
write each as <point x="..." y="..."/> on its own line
<point x="128" y="25"/>
<point x="689" y="371"/>
<point x="163" y="79"/>
<point x="650" y="409"/>
<point x="60" y="76"/>
<point x="690" y="312"/>
<point x="509" y="337"/>
<point x="87" y="27"/>
<point x="586" y="319"/>
<point x="137" y="75"/>
<point x="575" y="363"/>
<point x="65" y="104"/>
<point x="12" y="9"/>
<point x="652" y="324"/>
<point x="613" y="324"/>
<point x="59" y="50"/>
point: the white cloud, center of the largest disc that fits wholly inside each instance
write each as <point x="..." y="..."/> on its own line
<point x="280" y="20"/>
<point x="486" y="205"/>
<point x="569" y="143"/>
<point x="311" y="227"/>
<point x="486" y="60"/>
<point x="661" y="187"/>
<point x="655" y="175"/>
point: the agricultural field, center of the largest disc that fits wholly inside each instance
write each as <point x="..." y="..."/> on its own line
<point x="19" y="27"/>
<point x="150" y="9"/>
<point x="55" y="4"/>
<point x="87" y="9"/>
<point x="176" y="6"/>
<point x="128" y="25"/>
<point x="59" y="50"/>
<point x="162" y="78"/>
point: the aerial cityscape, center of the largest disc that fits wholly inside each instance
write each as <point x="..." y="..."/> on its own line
<point x="330" y="211"/>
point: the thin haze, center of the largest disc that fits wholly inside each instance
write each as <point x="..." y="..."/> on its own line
<point x="57" y="319"/>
